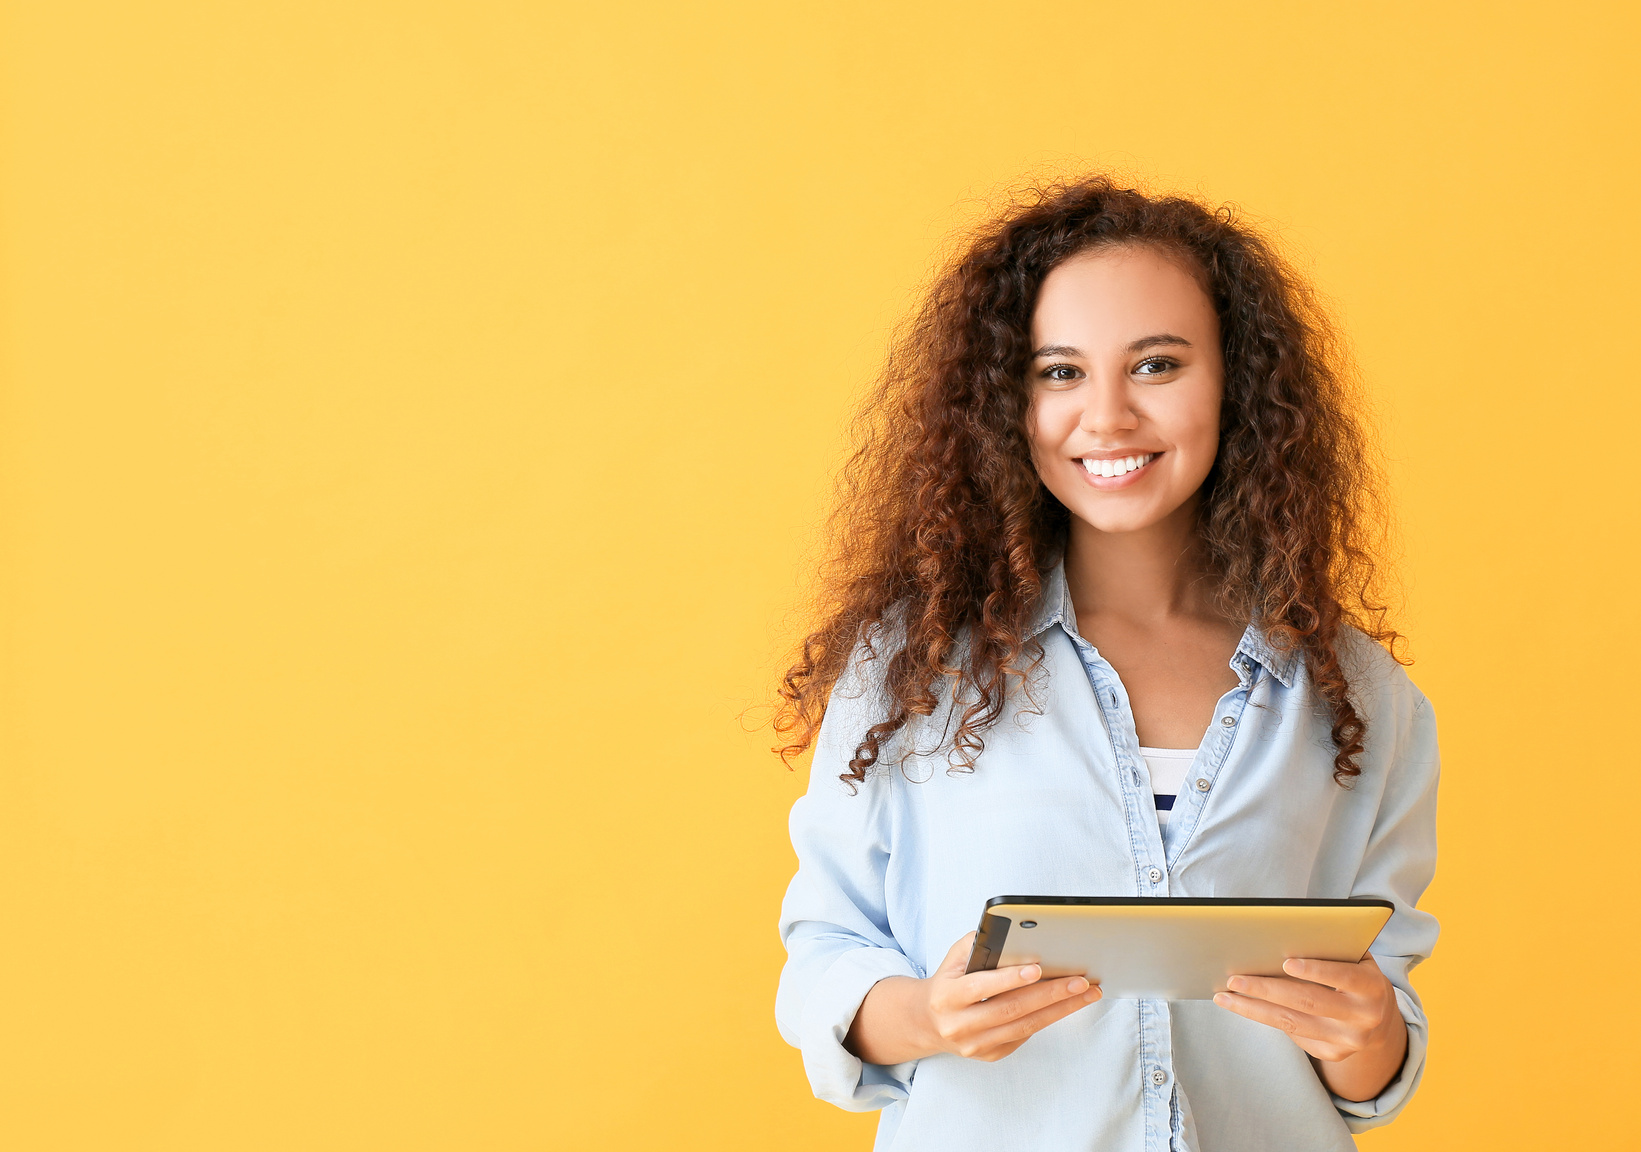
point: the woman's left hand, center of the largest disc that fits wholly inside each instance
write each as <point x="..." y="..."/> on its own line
<point x="1345" y="1015"/>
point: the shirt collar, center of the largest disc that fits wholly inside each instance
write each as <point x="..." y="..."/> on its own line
<point x="1279" y="663"/>
<point x="1055" y="607"/>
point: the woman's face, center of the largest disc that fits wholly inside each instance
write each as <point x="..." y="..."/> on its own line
<point x="1126" y="379"/>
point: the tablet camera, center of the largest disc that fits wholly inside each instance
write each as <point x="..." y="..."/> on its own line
<point x="1028" y="923"/>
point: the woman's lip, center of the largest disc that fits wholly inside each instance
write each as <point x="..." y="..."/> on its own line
<point x="1111" y="483"/>
<point x="1118" y="455"/>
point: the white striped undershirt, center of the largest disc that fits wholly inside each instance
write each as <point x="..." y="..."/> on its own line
<point x="1168" y="768"/>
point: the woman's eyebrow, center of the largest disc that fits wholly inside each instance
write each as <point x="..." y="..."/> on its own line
<point x="1160" y="340"/>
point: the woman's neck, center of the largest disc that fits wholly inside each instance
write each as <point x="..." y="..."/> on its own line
<point x="1153" y="574"/>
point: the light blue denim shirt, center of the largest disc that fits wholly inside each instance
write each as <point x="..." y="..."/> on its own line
<point x="1059" y="803"/>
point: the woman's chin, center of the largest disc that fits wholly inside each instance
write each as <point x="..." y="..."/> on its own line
<point x="1115" y="516"/>
<point x="1120" y="525"/>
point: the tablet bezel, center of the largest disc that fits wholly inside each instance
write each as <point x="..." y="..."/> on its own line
<point x="992" y="936"/>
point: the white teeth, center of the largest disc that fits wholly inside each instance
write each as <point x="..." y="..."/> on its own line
<point x="1118" y="467"/>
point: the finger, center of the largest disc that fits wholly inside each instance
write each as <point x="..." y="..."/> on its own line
<point x="1320" y="1038"/>
<point x="992" y="1055"/>
<point x="978" y="986"/>
<point x="1010" y="1034"/>
<point x="1300" y="995"/>
<point x="1019" y="1002"/>
<point x="957" y="959"/>
<point x="1357" y="979"/>
<point x="1299" y="1025"/>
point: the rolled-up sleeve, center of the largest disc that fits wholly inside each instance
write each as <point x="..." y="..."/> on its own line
<point x="835" y="923"/>
<point x="1399" y="865"/>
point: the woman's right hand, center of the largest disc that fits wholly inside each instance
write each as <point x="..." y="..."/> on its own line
<point x="983" y="1016"/>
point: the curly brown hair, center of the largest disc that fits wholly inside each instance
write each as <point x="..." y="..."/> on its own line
<point x="943" y="532"/>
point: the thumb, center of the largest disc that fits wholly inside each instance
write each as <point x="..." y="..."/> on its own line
<point x="957" y="960"/>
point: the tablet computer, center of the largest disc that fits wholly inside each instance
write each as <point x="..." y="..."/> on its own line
<point x="1170" y="948"/>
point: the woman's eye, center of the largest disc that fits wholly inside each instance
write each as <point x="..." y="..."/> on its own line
<point x="1061" y="372"/>
<point x="1155" y="366"/>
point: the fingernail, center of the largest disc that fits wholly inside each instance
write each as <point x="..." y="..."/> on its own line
<point x="1236" y="983"/>
<point x="1030" y="972"/>
<point x="1293" y="967"/>
<point x="1076" y="984"/>
<point x="1222" y="1000"/>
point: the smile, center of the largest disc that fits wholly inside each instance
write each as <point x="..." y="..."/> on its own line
<point x="1121" y="466"/>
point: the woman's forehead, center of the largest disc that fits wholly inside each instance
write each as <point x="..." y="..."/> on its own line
<point x="1110" y="294"/>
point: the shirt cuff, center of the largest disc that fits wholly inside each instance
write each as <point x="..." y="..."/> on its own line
<point x="1360" y="1115"/>
<point x="835" y="1075"/>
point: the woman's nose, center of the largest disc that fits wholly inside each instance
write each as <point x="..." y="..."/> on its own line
<point x="1107" y="409"/>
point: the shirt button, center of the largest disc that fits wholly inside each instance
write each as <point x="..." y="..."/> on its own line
<point x="1155" y="874"/>
<point x="1158" y="1077"/>
<point x="1202" y="785"/>
<point x="1228" y="721"/>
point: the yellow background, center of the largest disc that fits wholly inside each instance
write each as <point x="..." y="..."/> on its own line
<point x="416" y="421"/>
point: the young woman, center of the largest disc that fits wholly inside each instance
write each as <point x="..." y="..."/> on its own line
<point x="1102" y="624"/>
